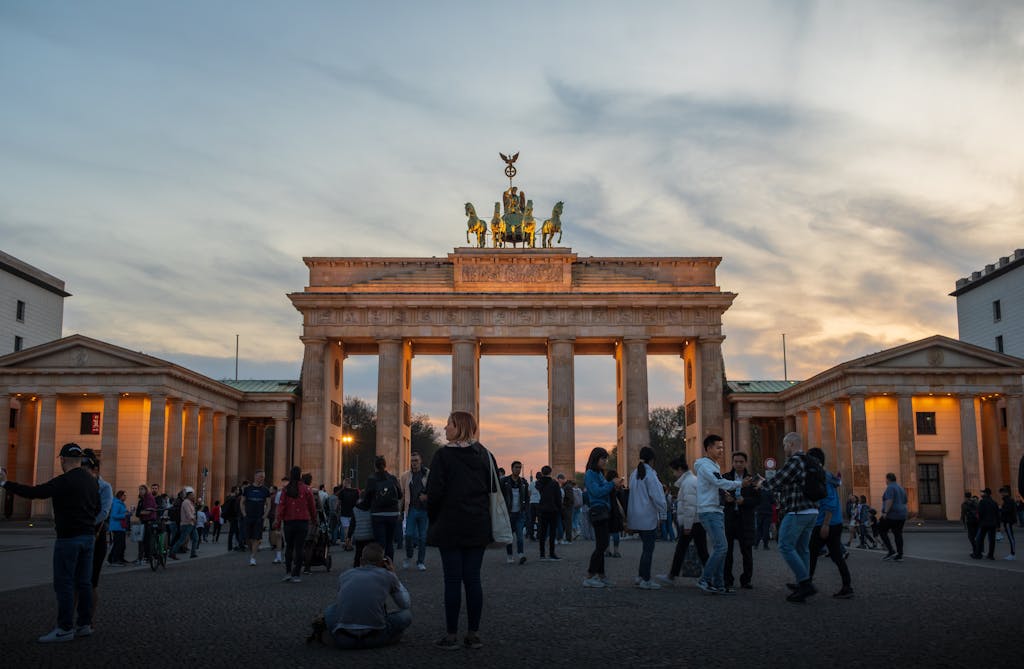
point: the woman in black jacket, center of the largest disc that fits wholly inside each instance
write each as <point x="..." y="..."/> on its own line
<point x="458" y="507"/>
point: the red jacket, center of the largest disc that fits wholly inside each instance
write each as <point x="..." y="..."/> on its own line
<point x="302" y="507"/>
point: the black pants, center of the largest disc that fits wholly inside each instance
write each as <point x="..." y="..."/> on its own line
<point x="835" y="550"/>
<point x="567" y="524"/>
<point x="733" y="534"/>
<point x="979" y="541"/>
<point x="884" y="525"/>
<point x="699" y="538"/>
<point x="601" y="538"/>
<point x="234" y="534"/>
<point x="216" y="531"/>
<point x="294" y="538"/>
<point x="547" y="528"/>
<point x="117" y="552"/>
<point x="461" y="568"/>
<point x="972" y="533"/>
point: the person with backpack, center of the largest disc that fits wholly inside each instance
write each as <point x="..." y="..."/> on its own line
<point x="384" y="494"/>
<point x="828" y="529"/>
<point x="969" y="518"/>
<point x="894" y="515"/>
<point x="800" y="484"/>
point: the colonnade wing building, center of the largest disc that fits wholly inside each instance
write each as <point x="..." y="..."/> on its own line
<point x="943" y="415"/>
<point x="151" y="421"/>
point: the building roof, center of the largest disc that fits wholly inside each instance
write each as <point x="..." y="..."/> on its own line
<point x="1006" y="264"/>
<point x="23" y="270"/>
<point x="758" y="386"/>
<point x="262" y="386"/>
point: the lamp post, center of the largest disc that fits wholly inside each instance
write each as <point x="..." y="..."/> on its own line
<point x="349" y="440"/>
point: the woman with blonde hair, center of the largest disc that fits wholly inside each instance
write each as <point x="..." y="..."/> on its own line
<point x="458" y="507"/>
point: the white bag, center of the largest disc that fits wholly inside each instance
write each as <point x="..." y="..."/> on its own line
<point x="138" y="531"/>
<point x="501" y="525"/>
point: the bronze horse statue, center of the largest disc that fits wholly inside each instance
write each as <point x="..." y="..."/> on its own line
<point x="476" y="226"/>
<point x="497" y="227"/>
<point x="552" y="225"/>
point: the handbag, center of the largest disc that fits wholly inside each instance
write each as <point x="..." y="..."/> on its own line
<point x="501" y="525"/>
<point x="599" y="514"/>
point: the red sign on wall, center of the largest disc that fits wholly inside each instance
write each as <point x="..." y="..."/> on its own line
<point x="91" y="422"/>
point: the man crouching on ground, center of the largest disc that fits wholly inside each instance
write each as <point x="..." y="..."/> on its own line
<point x="358" y="618"/>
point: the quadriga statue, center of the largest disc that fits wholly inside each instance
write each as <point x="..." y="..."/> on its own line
<point x="475" y="226"/>
<point x="551" y="226"/>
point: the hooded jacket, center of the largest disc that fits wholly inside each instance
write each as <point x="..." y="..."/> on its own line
<point x="686" y="503"/>
<point x="709" y="482"/>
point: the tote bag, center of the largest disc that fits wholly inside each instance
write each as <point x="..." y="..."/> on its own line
<point x="501" y="526"/>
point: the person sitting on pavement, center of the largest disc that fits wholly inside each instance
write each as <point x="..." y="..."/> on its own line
<point x="359" y="616"/>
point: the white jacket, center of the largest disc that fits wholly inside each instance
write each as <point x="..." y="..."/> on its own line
<point x="709" y="482"/>
<point x="686" y="503"/>
<point x="646" y="500"/>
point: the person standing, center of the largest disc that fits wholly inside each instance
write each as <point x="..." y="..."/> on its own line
<point x="548" y="508"/>
<point x="188" y="525"/>
<point x="969" y="518"/>
<point x="384" y="495"/>
<point x="646" y="501"/>
<point x="253" y="507"/>
<point x="458" y="505"/>
<point x="76" y="503"/>
<point x="988" y="523"/>
<point x="712" y="514"/>
<point x="414" y="492"/>
<point x="764" y="517"/>
<point x="690" y="528"/>
<point x="599" y="492"/>
<point x="801" y="513"/>
<point x="1008" y="516"/>
<point x="516" y="492"/>
<point x="894" y="515"/>
<point x="91" y="464"/>
<point x="148" y="514"/>
<point x="119" y="524"/>
<point x="348" y="497"/>
<point x="533" y="510"/>
<point x="828" y="529"/>
<point x="295" y="511"/>
<point x="229" y="512"/>
<point x="740" y="507"/>
<point x="568" y="504"/>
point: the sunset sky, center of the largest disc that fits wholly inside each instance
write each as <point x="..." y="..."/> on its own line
<point x="174" y="161"/>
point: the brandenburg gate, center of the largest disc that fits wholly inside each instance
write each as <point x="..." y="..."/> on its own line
<point x="508" y="300"/>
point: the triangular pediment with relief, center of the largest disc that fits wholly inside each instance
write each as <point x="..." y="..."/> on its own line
<point x="79" y="352"/>
<point x="939" y="352"/>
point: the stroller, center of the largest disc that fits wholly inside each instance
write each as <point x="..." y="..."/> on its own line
<point x="318" y="549"/>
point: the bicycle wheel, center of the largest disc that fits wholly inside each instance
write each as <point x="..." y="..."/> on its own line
<point x="154" y="546"/>
<point x="163" y="551"/>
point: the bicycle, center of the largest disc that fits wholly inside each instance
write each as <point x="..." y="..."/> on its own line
<point x="157" y="545"/>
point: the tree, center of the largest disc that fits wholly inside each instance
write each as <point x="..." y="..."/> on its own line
<point x="667" y="430"/>
<point x="359" y="420"/>
<point x="425" y="437"/>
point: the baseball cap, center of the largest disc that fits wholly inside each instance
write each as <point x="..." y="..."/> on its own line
<point x="71" y="450"/>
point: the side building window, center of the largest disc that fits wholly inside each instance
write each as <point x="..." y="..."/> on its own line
<point x="19" y="343"/>
<point x="997" y="311"/>
<point x="20" y="312"/>
<point x="925" y="422"/>
<point x="999" y="343"/>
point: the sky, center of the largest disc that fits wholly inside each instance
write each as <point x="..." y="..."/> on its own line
<point x="173" y="163"/>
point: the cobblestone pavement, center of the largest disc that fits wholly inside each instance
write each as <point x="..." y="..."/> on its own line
<point x="218" y="610"/>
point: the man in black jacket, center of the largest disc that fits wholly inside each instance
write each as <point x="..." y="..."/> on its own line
<point x="76" y="503"/>
<point x="988" y="522"/>
<point x="516" y="491"/>
<point x="739" y="521"/>
<point x="548" y="510"/>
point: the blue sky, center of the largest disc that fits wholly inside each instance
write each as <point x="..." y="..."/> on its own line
<point x="173" y="162"/>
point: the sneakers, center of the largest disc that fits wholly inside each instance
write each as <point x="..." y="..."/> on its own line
<point x="706" y="587"/>
<point x="845" y="593"/>
<point x="802" y="592"/>
<point x="296" y="579"/>
<point x="252" y="562"/>
<point x="648" y="585"/>
<point x="510" y="560"/>
<point x="607" y="582"/>
<point x="555" y="558"/>
<point x="405" y="564"/>
<point x="473" y="641"/>
<point x="83" y="630"/>
<point x="287" y="578"/>
<point x="727" y="590"/>
<point x="593" y="582"/>
<point x="447" y="643"/>
<point x="421" y="567"/>
<point x="898" y="557"/>
<point x="522" y="559"/>
<point x="665" y="579"/>
<point x="616" y="554"/>
<point x="1010" y="557"/>
<point x="57" y="635"/>
<point x="888" y="556"/>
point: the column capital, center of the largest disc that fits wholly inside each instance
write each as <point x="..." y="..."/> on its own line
<point x="463" y="339"/>
<point x="635" y="339"/>
<point x="206" y="410"/>
<point x="389" y="340"/>
<point x="710" y="339"/>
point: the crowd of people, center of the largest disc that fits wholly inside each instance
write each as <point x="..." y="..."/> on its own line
<point x="453" y="505"/>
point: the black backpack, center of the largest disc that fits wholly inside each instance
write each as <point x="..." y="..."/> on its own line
<point x="815" y="484"/>
<point x="386" y="495"/>
<point x="175" y="513"/>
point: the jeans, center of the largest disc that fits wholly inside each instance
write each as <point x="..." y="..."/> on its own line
<point x="714" y="568"/>
<point x="516" y="520"/>
<point x="647" y="539"/>
<point x="184" y="533"/>
<point x="763" y="530"/>
<point x="794" y="543"/>
<point x="699" y="539"/>
<point x="294" y="537"/>
<point x="72" y="576"/>
<point x="384" y="533"/>
<point x="1008" y="531"/>
<point x="896" y="526"/>
<point x="416" y="532"/>
<point x="835" y="551"/>
<point x="396" y="623"/>
<point x="461" y="568"/>
<point x="600" y="546"/>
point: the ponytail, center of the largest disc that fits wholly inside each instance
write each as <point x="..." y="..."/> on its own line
<point x="292" y="489"/>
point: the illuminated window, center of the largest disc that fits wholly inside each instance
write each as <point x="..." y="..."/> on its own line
<point x="925" y="422"/>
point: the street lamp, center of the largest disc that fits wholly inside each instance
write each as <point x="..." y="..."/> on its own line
<point x="349" y="440"/>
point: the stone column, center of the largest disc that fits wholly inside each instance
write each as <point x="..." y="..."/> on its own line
<point x="46" y="452"/>
<point x="828" y="436"/>
<point x="743" y="443"/>
<point x="172" y="464"/>
<point x="789" y="423"/>
<point x="561" y="406"/>
<point x="635" y="414"/>
<point x="157" y="440"/>
<point x="315" y="408"/>
<point x="466" y="375"/>
<point x="108" y="438"/>
<point x="1014" y="435"/>
<point x="710" y="403"/>
<point x="219" y="466"/>
<point x="281" y="464"/>
<point x="908" y="454"/>
<point x="260" y="450"/>
<point x="25" y="467"/>
<point x="969" y="444"/>
<point x="392" y="431"/>
<point x="231" y="473"/>
<point x="190" y="448"/>
<point x="844" y="453"/>
<point x="802" y="421"/>
<point x="859" y="448"/>
<point x="205" y="452"/>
